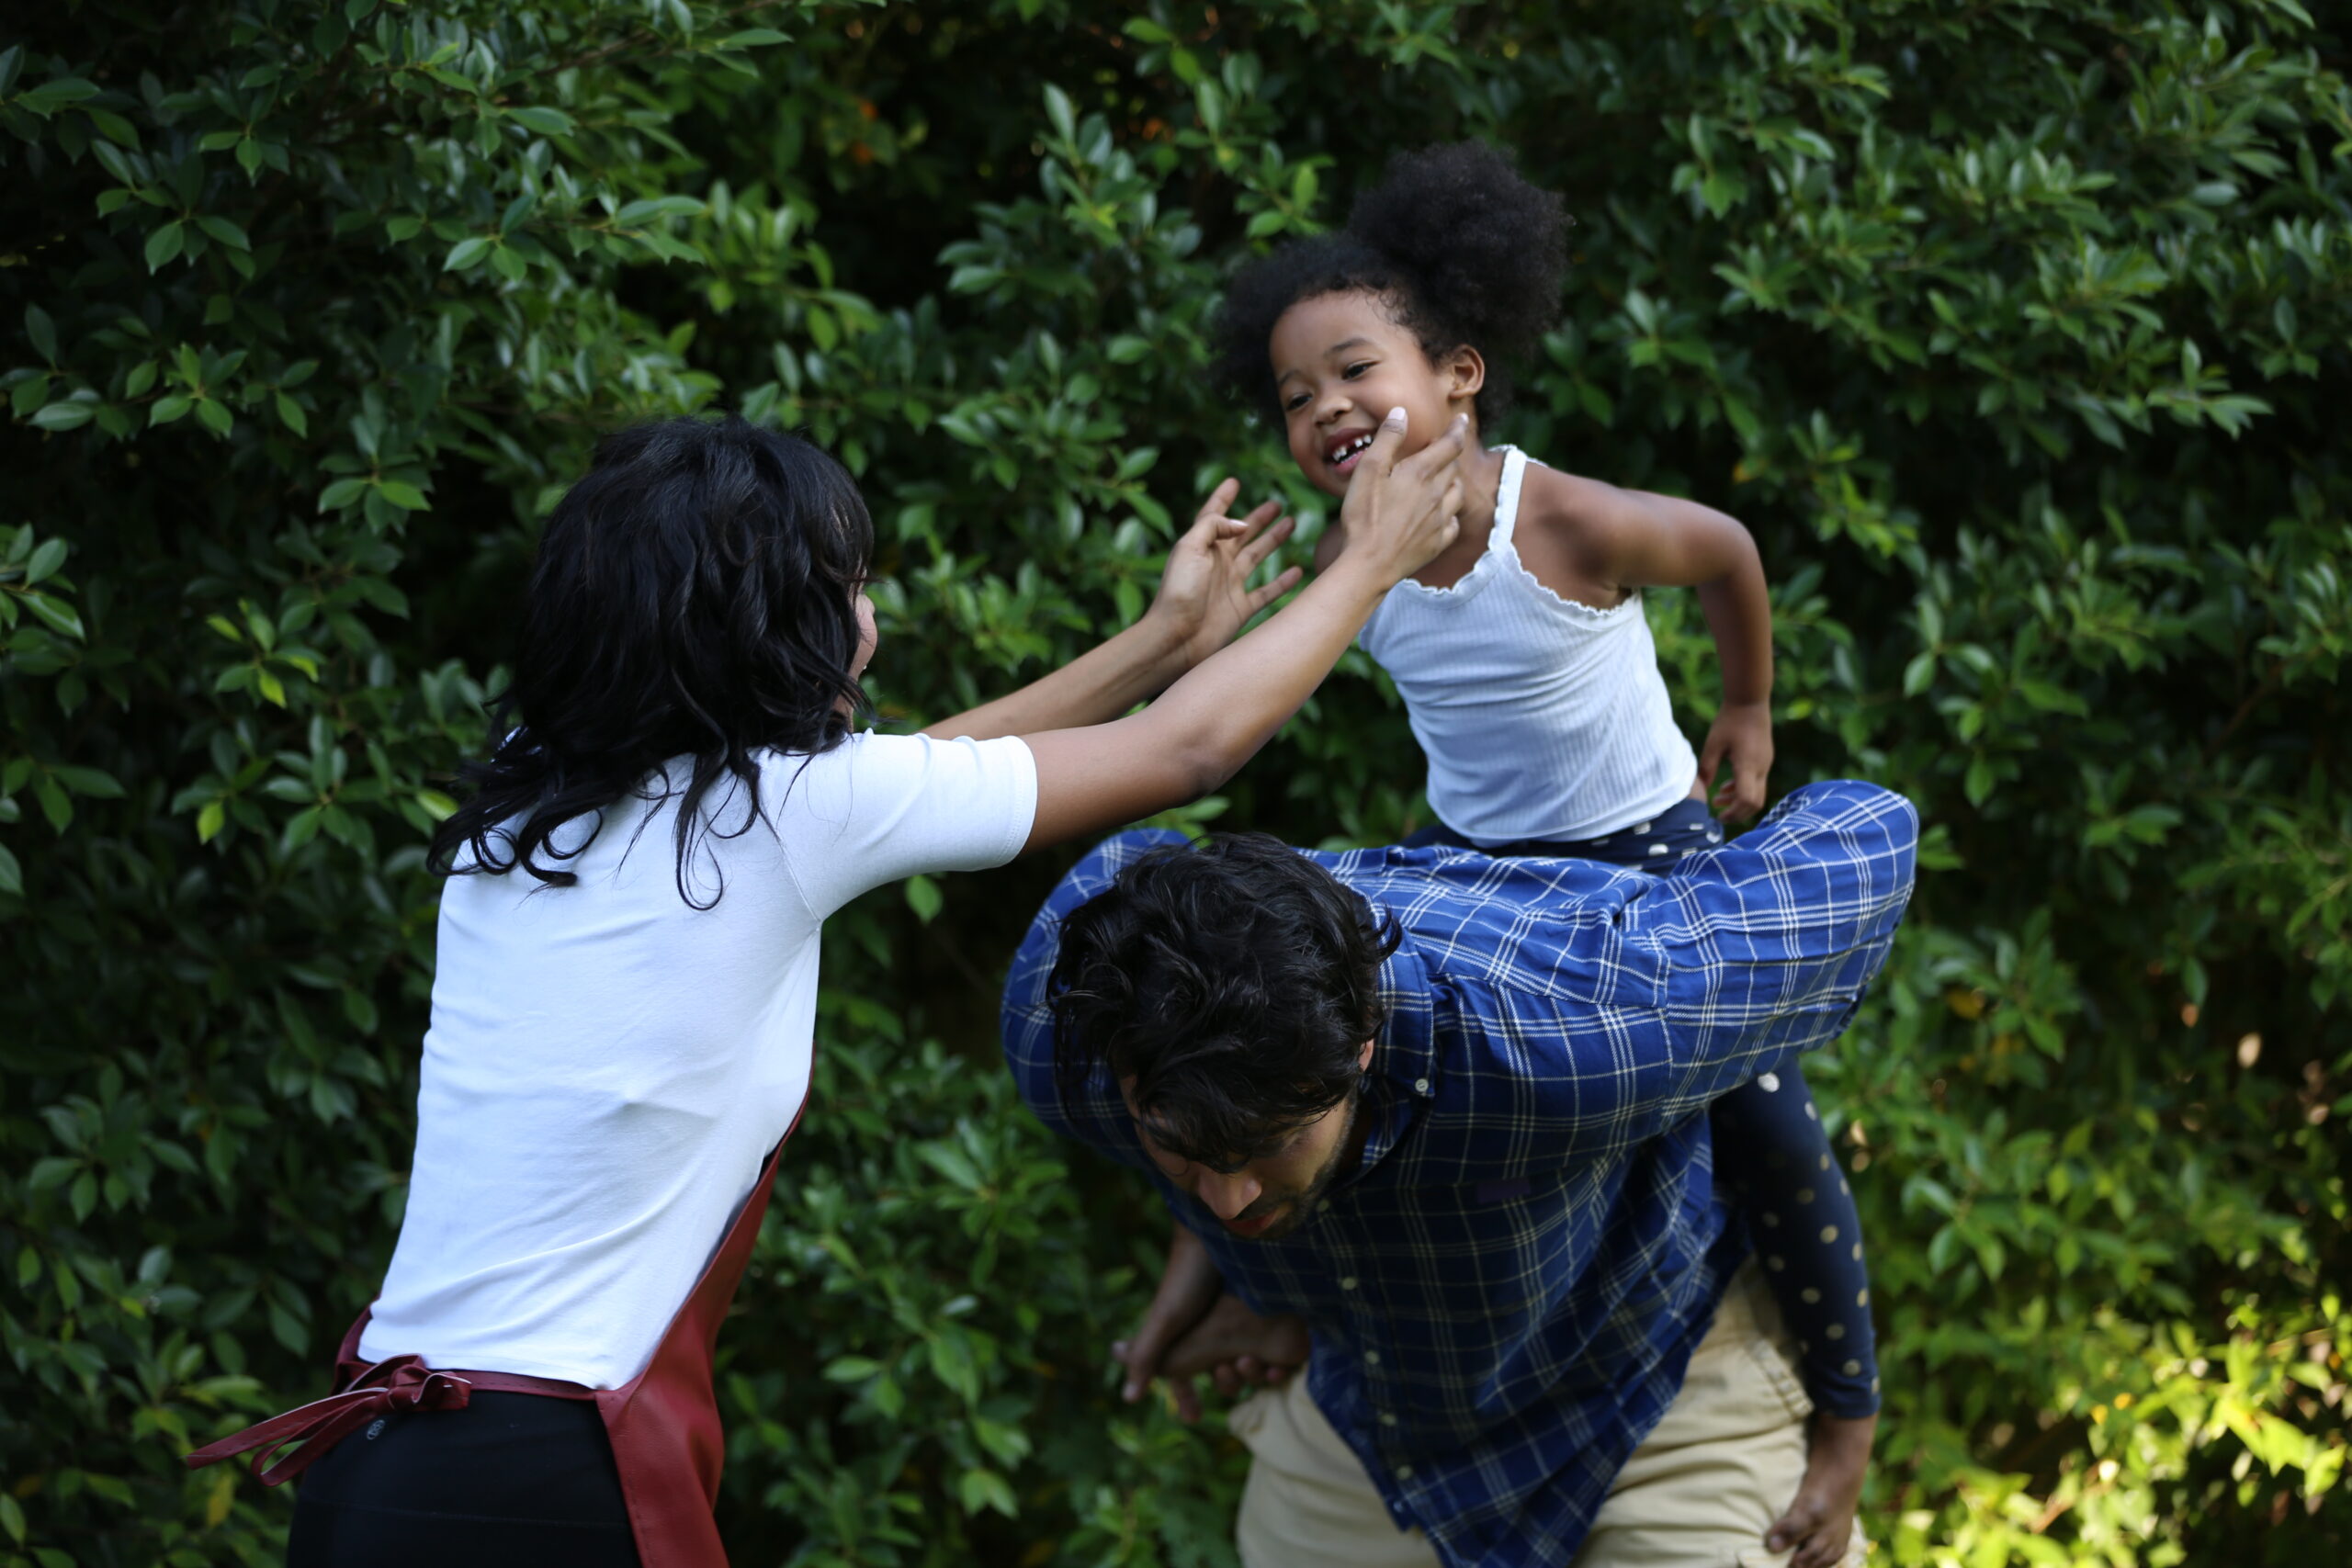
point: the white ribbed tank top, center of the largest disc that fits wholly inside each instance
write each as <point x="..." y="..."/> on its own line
<point x="1543" y="718"/>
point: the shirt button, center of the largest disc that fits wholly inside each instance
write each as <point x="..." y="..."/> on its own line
<point x="1349" y="1283"/>
<point x="1372" y="1357"/>
<point x="1324" y="1207"/>
<point x="1386" y="1419"/>
<point x="1404" y="1473"/>
<point x="1420" y="1086"/>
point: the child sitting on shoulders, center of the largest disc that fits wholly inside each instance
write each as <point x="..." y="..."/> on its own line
<point x="1529" y="673"/>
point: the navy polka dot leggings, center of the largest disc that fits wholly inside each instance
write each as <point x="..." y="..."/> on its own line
<point x="1771" y="1155"/>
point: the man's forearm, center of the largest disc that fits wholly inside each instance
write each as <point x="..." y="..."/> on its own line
<point x="1094" y="688"/>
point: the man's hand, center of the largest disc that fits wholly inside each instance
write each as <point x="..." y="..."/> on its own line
<point x="1205" y="595"/>
<point x="1189" y="1286"/>
<point x="1819" y="1526"/>
<point x="1238" y="1348"/>
<point x="1742" y="735"/>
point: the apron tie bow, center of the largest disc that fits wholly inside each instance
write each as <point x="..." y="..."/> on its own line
<point x="398" y="1384"/>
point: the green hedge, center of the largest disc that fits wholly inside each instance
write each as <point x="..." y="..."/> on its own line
<point x="2016" y="332"/>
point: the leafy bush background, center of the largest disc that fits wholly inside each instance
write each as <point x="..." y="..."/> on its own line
<point x="2018" y="333"/>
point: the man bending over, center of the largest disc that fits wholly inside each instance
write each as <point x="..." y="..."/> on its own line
<point x="1443" y="1110"/>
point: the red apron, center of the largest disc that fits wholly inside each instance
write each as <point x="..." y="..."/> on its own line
<point x="667" y="1439"/>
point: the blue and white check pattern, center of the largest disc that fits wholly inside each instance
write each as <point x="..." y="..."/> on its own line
<point x="1505" y="1294"/>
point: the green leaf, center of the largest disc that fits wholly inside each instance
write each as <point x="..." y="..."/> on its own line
<point x="465" y="254"/>
<point x="53" y="614"/>
<point x="228" y="233"/>
<point x="407" y="497"/>
<point x="65" y="416"/>
<point x="45" y="562"/>
<point x="114" y="127"/>
<point x="985" y="1488"/>
<point x="1060" y="111"/>
<point x="11" y="875"/>
<point x="543" y="122"/>
<point x="96" y="783"/>
<point x="163" y="245"/>
<point x="923" y="898"/>
<point x="341" y="493"/>
<point x="42" y="331"/>
<point x="291" y="415"/>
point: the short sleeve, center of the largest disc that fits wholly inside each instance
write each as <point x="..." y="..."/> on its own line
<point x="878" y="808"/>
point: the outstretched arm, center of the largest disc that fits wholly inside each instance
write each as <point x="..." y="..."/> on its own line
<point x="1636" y="539"/>
<point x="1399" y="514"/>
<point x="1204" y="601"/>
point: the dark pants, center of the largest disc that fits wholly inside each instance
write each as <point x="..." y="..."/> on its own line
<point x="512" y="1481"/>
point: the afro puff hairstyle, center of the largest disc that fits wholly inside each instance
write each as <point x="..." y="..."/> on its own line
<point x="1464" y="251"/>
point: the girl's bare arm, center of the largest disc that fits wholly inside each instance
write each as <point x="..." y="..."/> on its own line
<point x="1636" y="539"/>
<point x="1199" y="732"/>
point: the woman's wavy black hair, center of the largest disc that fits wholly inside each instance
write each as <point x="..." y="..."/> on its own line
<point x="1235" y="981"/>
<point x="694" y="597"/>
<point x="1462" y="248"/>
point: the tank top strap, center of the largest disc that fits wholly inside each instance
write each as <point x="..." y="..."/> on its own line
<point x="1507" y="498"/>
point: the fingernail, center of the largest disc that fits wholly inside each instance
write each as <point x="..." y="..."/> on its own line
<point x="1395" y="419"/>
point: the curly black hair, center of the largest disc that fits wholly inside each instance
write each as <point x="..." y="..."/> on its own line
<point x="1235" y="981"/>
<point x="694" y="596"/>
<point x="1464" y="249"/>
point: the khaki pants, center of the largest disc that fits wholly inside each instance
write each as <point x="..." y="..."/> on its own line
<point x="1699" y="1492"/>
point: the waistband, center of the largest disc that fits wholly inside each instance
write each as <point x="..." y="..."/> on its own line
<point x="396" y="1386"/>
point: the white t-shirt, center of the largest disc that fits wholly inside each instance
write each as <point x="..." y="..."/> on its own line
<point x="607" y="1066"/>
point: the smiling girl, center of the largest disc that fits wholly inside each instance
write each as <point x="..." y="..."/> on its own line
<point x="1527" y="670"/>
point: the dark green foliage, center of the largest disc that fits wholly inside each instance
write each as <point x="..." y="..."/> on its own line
<point x="2019" y="333"/>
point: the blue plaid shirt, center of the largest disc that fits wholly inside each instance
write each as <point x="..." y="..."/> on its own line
<point x="1506" y="1292"/>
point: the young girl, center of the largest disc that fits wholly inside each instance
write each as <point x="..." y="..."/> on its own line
<point x="625" y="989"/>
<point x="1528" y="670"/>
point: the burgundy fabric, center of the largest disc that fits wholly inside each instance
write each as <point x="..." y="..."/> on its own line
<point x="668" y="1441"/>
<point x="667" y="1438"/>
<point x="401" y="1383"/>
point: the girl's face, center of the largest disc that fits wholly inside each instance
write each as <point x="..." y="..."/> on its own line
<point x="1340" y="363"/>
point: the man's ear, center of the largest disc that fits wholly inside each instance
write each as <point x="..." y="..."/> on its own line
<point x="1364" y="1057"/>
<point x="1465" y="371"/>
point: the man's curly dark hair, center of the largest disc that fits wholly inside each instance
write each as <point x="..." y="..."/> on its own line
<point x="1463" y="248"/>
<point x="1235" y="981"/>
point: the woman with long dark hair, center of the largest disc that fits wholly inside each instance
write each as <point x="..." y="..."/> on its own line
<point x="624" y="1005"/>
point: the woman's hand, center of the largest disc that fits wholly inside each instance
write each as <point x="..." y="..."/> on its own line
<point x="1205" y="596"/>
<point x="1742" y="735"/>
<point x="1202" y="729"/>
<point x="1399" y="514"/>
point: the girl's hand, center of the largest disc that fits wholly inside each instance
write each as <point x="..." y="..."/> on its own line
<point x="1399" y="514"/>
<point x="1205" y="595"/>
<point x="1818" y="1529"/>
<point x="1742" y="735"/>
